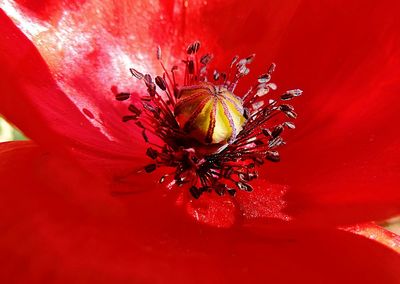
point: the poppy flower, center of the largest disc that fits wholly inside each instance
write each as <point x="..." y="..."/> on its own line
<point x="74" y="208"/>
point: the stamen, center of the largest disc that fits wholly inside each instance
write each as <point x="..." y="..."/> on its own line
<point x="122" y="96"/>
<point x="213" y="139"/>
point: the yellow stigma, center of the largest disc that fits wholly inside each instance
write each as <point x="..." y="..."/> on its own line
<point x="209" y="114"/>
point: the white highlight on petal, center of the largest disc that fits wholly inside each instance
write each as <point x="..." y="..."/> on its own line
<point x="86" y="51"/>
<point x="29" y="27"/>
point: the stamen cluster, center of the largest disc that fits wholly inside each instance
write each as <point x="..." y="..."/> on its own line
<point x="203" y="166"/>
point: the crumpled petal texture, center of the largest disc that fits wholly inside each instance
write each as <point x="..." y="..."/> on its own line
<point x="341" y="164"/>
<point x="55" y="233"/>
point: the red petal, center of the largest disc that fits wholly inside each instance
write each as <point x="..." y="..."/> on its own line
<point x="344" y="158"/>
<point x="342" y="165"/>
<point x="35" y="103"/>
<point x="342" y="162"/>
<point x="55" y="232"/>
<point x="87" y="58"/>
<point x="267" y="201"/>
<point x="48" y="9"/>
<point x="377" y="233"/>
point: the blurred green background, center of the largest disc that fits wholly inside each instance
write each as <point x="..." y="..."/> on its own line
<point x="9" y="133"/>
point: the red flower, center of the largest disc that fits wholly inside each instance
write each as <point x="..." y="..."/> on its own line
<point x="59" y="222"/>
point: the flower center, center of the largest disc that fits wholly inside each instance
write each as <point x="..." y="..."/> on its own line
<point x="210" y="114"/>
<point x="213" y="139"/>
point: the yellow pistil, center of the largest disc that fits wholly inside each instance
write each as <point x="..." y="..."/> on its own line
<point x="210" y="114"/>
